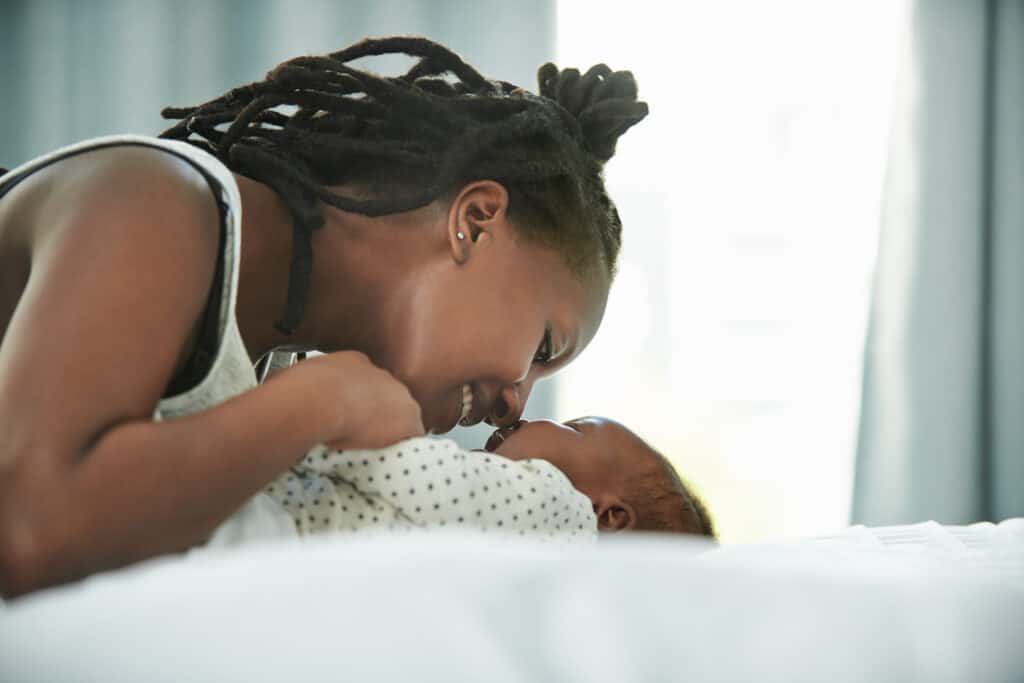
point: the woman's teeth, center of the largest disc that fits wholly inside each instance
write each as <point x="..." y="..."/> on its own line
<point x="467" y="403"/>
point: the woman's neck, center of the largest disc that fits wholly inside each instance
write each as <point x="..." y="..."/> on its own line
<point x="264" y="267"/>
<point x="361" y="265"/>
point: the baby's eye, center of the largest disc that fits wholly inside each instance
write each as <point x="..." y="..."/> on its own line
<point x="543" y="355"/>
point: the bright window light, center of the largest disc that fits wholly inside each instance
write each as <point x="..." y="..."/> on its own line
<point x="750" y="199"/>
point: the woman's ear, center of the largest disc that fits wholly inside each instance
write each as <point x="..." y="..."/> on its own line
<point x="477" y="215"/>
<point x="614" y="514"/>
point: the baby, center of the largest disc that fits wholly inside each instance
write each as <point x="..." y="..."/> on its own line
<point x="539" y="478"/>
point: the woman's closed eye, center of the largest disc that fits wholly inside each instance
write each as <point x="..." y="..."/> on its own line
<point x="544" y="351"/>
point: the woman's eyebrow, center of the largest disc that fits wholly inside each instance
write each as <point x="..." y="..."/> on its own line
<point x="562" y="347"/>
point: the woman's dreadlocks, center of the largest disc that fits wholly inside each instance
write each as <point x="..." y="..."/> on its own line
<point x="396" y="144"/>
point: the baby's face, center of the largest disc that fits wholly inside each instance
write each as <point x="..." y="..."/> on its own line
<point x="594" y="453"/>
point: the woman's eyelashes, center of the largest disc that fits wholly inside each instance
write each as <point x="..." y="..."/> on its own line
<point x="544" y="351"/>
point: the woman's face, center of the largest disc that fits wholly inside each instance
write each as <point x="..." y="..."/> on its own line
<point x="480" y="327"/>
<point x="482" y="333"/>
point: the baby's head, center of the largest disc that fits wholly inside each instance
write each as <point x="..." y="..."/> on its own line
<point x="632" y="486"/>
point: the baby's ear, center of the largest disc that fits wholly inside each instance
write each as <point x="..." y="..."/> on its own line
<point x="614" y="514"/>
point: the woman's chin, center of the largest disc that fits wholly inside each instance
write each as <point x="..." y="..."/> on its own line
<point x="439" y="423"/>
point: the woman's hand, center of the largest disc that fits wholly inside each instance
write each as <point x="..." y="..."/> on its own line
<point x="353" y="403"/>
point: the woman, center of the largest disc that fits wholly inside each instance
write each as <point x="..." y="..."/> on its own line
<point x="464" y="247"/>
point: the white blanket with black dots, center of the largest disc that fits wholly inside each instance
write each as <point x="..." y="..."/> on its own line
<point x="425" y="483"/>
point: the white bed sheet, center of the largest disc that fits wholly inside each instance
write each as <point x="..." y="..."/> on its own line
<point x="451" y="608"/>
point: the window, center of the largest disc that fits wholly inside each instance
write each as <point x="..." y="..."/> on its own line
<point x="750" y="198"/>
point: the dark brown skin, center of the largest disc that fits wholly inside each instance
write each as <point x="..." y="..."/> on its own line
<point x="121" y="246"/>
<point x="595" y="453"/>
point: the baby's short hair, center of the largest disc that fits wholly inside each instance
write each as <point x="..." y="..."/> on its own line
<point x="663" y="501"/>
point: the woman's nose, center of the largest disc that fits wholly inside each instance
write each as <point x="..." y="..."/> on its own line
<point x="508" y="408"/>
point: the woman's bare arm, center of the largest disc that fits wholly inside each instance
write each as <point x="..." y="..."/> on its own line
<point x="124" y="245"/>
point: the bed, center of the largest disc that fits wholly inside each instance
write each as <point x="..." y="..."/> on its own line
<point x="918" y="603"/>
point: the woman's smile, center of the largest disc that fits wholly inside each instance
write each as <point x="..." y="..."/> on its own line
<point x="467" y="405"/>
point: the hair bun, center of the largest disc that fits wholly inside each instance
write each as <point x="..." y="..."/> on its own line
<point x="602" y="101"/>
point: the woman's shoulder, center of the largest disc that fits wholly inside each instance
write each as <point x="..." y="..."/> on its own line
<point x="119" y="166"/>
<point x="122" y="192"/>
<point x="131" y="149"/>
<point x="112" y="219"/>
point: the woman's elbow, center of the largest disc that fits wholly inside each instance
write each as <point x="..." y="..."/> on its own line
<point x="18" y="553"/>
<point x="25" y="536"/>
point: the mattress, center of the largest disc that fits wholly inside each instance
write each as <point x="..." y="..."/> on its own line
<point x="861" y="605"/>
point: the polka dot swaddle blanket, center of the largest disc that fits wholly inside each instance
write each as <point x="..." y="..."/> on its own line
<point x="426" y="483"/>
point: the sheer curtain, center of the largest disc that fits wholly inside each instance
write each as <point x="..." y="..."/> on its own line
<point x="71" y="69"/>
<point x="942" y="433"/>
<point x="750" y="200"/>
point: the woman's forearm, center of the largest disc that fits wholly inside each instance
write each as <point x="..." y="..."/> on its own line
<point x="147" y="488"/>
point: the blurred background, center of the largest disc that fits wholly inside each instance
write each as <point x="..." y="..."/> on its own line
<point x="817" y="316"/>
